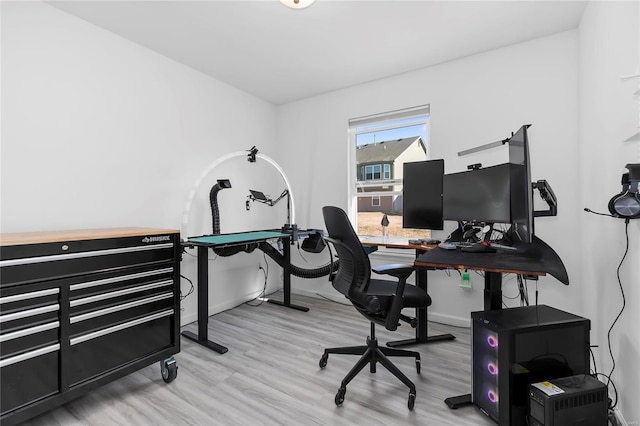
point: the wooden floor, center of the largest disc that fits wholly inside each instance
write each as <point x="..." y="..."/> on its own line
<point x="270" y="376"/>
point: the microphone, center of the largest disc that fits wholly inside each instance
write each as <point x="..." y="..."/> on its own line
<point x="598" y="213"/>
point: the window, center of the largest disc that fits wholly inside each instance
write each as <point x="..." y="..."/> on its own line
<point x="376" y="171"/>
<point x="380" y="145"/>
<point x="387" y="171"/>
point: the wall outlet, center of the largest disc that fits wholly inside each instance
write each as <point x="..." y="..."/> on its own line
<point x="465" y="279"/>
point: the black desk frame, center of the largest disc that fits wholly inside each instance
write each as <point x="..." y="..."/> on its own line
<point x="421" y="316"/>
<point x="535" y="259"/>
<point x="421" y="313"/>
<point x="203" y="289"/>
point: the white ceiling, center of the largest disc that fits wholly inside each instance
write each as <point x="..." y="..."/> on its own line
<point x="282" y="55"/>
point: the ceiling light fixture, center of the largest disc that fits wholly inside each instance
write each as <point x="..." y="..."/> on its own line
<point x="297" y="4"/>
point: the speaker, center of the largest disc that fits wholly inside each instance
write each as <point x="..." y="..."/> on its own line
<point x="626" y="204"/>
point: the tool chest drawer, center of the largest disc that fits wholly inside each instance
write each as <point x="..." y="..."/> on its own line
<point x="79" y="309"/>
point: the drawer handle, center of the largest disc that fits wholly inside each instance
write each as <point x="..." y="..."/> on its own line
<point x="99" y="297"/>
<point x="118" y="308"/>
<point x="29" y="313"/>
<point x="55" y="257"/>
<point x="119" y="278"/>
<point x="29" y="331"/>
<point x="28" y="355"/>
<point x="119" y="327"/>
<point x="32" y="295"/>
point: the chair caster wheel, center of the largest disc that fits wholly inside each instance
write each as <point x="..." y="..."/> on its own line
<point x="412" y="401"/>
<point x="418" y="364"/>
<point x="340" y="396"/>
<point x="323" y="361"/>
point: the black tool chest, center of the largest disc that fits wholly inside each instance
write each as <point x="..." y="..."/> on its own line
<point x="79" y="309"/>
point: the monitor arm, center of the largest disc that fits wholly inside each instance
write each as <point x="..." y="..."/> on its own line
<point x="268" y="201"/>
<point x="547" y="195"/>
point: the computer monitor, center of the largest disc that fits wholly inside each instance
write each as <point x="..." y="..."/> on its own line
<point x="478" y="196"/>
<point x="422" y="195"/>
<point x="521" y="186"/>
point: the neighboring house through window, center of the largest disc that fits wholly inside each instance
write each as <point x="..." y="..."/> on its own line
<point x="380" y="145"/>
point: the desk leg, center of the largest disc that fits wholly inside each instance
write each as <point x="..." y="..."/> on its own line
<point x="458" y="401"/>
<point x="421" y="316"/>
<point x="286" y="278"/>
<point x="492" y="291"/>
<point x="203" y="304"/>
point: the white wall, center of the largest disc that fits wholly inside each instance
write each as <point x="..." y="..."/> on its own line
<point x="474" y="100"/>
<point x="609" y="48"/>
<point x="100" y="132"/>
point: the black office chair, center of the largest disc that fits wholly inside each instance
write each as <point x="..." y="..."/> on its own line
<point x="380" y="301"/>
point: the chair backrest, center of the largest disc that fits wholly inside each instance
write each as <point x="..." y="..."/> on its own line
<point x="354" y="273"/>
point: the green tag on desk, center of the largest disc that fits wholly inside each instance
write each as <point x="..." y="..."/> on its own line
<point x="465" y="281"/>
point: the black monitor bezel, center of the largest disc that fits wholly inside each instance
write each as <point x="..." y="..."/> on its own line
<point x="422" y="195"/>
<point x="457" y="185"/>
<point x="522" y="223"/>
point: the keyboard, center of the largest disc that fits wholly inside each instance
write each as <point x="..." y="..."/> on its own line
<point x="450" y="245"/>
<point x="462" y="244"/>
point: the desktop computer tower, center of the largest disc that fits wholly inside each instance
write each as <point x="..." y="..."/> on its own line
<point x="512" y="348"/>
<point x="569" y="401"/>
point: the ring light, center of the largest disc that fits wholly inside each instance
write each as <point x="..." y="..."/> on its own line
<point x="216" y="163"/>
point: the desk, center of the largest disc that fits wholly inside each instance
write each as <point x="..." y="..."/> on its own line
<point x="421" y="282"/>
<point x="535" y="259"/>
<point x="203" y="243"/>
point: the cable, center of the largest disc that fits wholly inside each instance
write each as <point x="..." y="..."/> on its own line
<point x="190" y="289"/>
<point x="524" y="291"/>
<point x="593" y="358"/>
<point x="613" y="360"/>
<point x="615" y="390"/>
<point x="196" y="256"/>
<point x="262" y="294"/>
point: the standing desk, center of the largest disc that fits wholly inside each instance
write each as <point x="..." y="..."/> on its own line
<point x="534" y="259"/>
<point x="421" y="281"/>
<point x="203" y="243"/>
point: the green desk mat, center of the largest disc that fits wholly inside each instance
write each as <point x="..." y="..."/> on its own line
<point x="236" y="238"/>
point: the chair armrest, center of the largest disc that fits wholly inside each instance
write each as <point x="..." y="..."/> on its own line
<point x="398" y="270"/>
<point x="401" y="271"/>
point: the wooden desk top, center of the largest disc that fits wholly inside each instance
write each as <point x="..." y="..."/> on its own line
<point x="464" y="266"/>
<point x="536" y="259"/>
<point x="399" y="243"/>
<point x="20" y="238"/>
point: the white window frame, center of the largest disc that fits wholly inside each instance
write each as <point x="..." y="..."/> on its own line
<point x="375" y="198"/>
<point x="355" y="128"/>
<point x="386" y="171"/>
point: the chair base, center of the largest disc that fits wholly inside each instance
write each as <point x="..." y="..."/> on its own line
<point x="373" y="354"/>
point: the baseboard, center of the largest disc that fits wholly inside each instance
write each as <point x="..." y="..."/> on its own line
<point x="333" y="296"/>
<point x="435" y="317"/>
<point x="190" y="317"/>
<point x="187" y="318"/>
<point x="449" y="319"/>
<point x="618" y="418"/>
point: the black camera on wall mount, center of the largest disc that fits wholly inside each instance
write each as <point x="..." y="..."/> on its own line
<point x="626" y="204"/>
